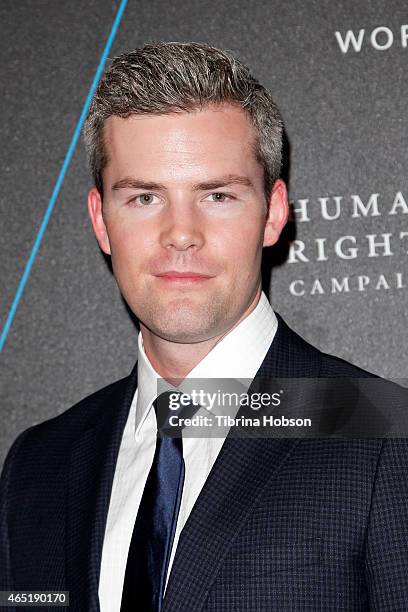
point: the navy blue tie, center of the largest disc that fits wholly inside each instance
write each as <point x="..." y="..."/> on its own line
<point x="156" y="520"/>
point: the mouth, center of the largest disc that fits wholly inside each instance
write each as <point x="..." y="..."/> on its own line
<point x="189" y="277"/>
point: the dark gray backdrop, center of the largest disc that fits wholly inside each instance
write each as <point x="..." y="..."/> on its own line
<point x="345" y="113"/>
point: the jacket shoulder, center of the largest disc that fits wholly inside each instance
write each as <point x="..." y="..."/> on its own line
<point x="338" y="367"/>
<point x="75" y="418"/>
<point x="327" y="365"/>
<point x="55" y="435"/>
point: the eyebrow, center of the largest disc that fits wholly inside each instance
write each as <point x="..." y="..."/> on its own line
<point x="222" y="181"/>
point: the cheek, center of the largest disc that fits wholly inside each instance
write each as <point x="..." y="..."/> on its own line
<point x="129" y="243"/>
<point x="241" y="243"/>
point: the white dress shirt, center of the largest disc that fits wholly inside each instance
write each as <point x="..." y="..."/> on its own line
<point x="238" y="355"/>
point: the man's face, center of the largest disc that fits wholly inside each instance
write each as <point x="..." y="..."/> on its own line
<point x="184" y="193"/>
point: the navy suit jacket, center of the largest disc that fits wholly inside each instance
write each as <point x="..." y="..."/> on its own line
<point x="280" y="525"/>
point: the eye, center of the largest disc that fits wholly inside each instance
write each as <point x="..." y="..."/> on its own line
<point x="219" y="196"/>
<point x="144" y="199"/>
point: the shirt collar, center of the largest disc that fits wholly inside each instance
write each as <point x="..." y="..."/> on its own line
<point x="238" y="354"/>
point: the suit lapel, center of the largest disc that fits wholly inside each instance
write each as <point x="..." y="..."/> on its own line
<point x="92" y="467"/>
<point x="242" y="469"/>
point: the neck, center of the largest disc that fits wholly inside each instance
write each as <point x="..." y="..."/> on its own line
<point x="173" y="360"/>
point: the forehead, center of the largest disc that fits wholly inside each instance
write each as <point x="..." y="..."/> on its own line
<point x="178" y="145"/>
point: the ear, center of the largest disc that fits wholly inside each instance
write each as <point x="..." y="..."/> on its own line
<point x="97" y="220"/>
<point x="278" y="212"/>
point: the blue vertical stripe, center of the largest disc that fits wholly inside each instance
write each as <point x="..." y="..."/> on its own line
<point x="61" y="175"/>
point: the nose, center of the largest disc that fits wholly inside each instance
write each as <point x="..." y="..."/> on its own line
<point x="182" y="227"/>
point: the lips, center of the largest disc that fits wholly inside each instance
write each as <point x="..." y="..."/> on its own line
<point x="186" y="277"/>
<point x="186" y="274"/>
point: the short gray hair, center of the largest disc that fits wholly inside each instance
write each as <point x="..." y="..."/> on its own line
<point x="170" y="77"/>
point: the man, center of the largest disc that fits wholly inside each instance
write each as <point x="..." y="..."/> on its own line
<point x="185" y="150"/>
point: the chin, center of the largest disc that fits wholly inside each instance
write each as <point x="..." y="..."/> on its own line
<point x="184" y="319"/>
<point x="186" y="328"/>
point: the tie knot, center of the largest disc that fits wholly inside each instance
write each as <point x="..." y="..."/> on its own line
<point x="166" y="402"/>
<point x="171" y="408"/>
